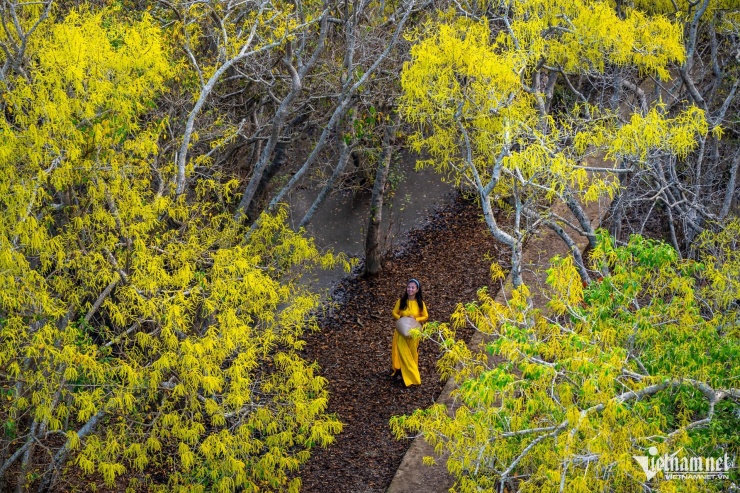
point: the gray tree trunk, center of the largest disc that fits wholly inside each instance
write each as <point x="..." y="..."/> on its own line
<point x="373" y="251"/>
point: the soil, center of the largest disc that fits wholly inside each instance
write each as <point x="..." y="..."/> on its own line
<point x="451" y="257"/>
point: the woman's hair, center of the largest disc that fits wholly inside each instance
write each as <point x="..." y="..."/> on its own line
<point x="405" y="296"/>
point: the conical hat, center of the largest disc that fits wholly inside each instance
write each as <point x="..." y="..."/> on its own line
<point x="405" y="324"/>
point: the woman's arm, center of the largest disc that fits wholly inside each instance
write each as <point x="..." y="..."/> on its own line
<point x="397" y="310"/>
<point x="423" y="315"/>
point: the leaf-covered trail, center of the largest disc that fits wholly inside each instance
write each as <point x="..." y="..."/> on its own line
<point x="451" y="256"/>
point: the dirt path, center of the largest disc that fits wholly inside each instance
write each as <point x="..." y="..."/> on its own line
<point x="451" y="256"/>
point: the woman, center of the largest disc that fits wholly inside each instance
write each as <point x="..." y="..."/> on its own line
<point x="404" y="350"/>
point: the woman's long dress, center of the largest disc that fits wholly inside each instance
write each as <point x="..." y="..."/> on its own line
<point x="405" y="350"/>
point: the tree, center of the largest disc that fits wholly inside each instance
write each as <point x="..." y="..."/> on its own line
<point x="366" y="98"/>
<point x="222" y="39"/>
<point x="645" y="357"/>
<point x="514" y="103"/>
<point x="347" y="98"/>
<point x="140" y="329"/>
<point x="698" y="190"/>
<point x="15" y="36"/>
<point x="265" y="77"/>
<point x="373" y="249"/>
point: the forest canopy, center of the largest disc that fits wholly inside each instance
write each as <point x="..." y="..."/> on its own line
<point x="564" y="396"/>
<point x="531" y="104"/>
<point x="139" y="329"/>
<point x="152" y="298"/>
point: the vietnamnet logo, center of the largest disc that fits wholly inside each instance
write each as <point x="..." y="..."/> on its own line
<point x="675" y="467"/>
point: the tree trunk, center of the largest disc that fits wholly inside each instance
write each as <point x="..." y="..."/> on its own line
<point x="574" y="250"/>
<point x="373" y="251"/>
<point x="278" y="122"/>
<point x="346" y="101"/>
<point x="730" y="193"/>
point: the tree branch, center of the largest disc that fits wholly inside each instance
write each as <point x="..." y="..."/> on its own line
<point x="278" y="121"/>
<point x="730" y="193"/>
<point x="339" y="112"/>
<point x="61" y="455"/>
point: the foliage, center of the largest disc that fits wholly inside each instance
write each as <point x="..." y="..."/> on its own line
<point x="680" y="8"/>
<point x="566" y="396"/>
<point x="497" y="106"/>
<point x="148" y="331"/>
<point x="215" y="38"/>
<point x="692" y="190"/>
<point x="464" y="75"/>
<point x="720" y="287"/>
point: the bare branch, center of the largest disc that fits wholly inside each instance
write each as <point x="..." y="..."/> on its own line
<point x="346" y="102"/>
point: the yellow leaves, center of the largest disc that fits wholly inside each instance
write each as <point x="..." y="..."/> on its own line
<point x="456" y="69"/>
<point x="73" y="440"/>
<point x="187" y="457"/>
<point x="599" y="187"/>
<point x="153" y="445"/>
<point x="565" y="283"/>
<point x="658" y="42"/>
<point x="165" y="361"/>
<point x="87" y="466"/>
<point x="211" y="384"/>
<point x="729" y="22"/>
<point x="86" y="407"/>
<point x="461" y="85"/>
<point x="586" y="36"/>
<point x="81" y="76"/>
<point x="721" y="267"/>
<point x="656" y="132"/>
<point x="110" y="471"/>
<point x="70" y="373"/>
<point x="160" y="312"/>
<point x="137" y="455"/>
<point x="584" y="374"/>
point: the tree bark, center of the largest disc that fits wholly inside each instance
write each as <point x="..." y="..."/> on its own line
<point x="344" y="154"/>
<point x="577" y="210"/>
<point x="373" y="251"/>
<point x="181" y="156"/>
<point x="27" y="459"/>
<point x="574" y="250"/>
<point x="730" y="193"/>
<point x="49" y="477"/>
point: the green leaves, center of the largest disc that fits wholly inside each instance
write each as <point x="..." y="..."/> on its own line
<point x="629" y="362"/>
